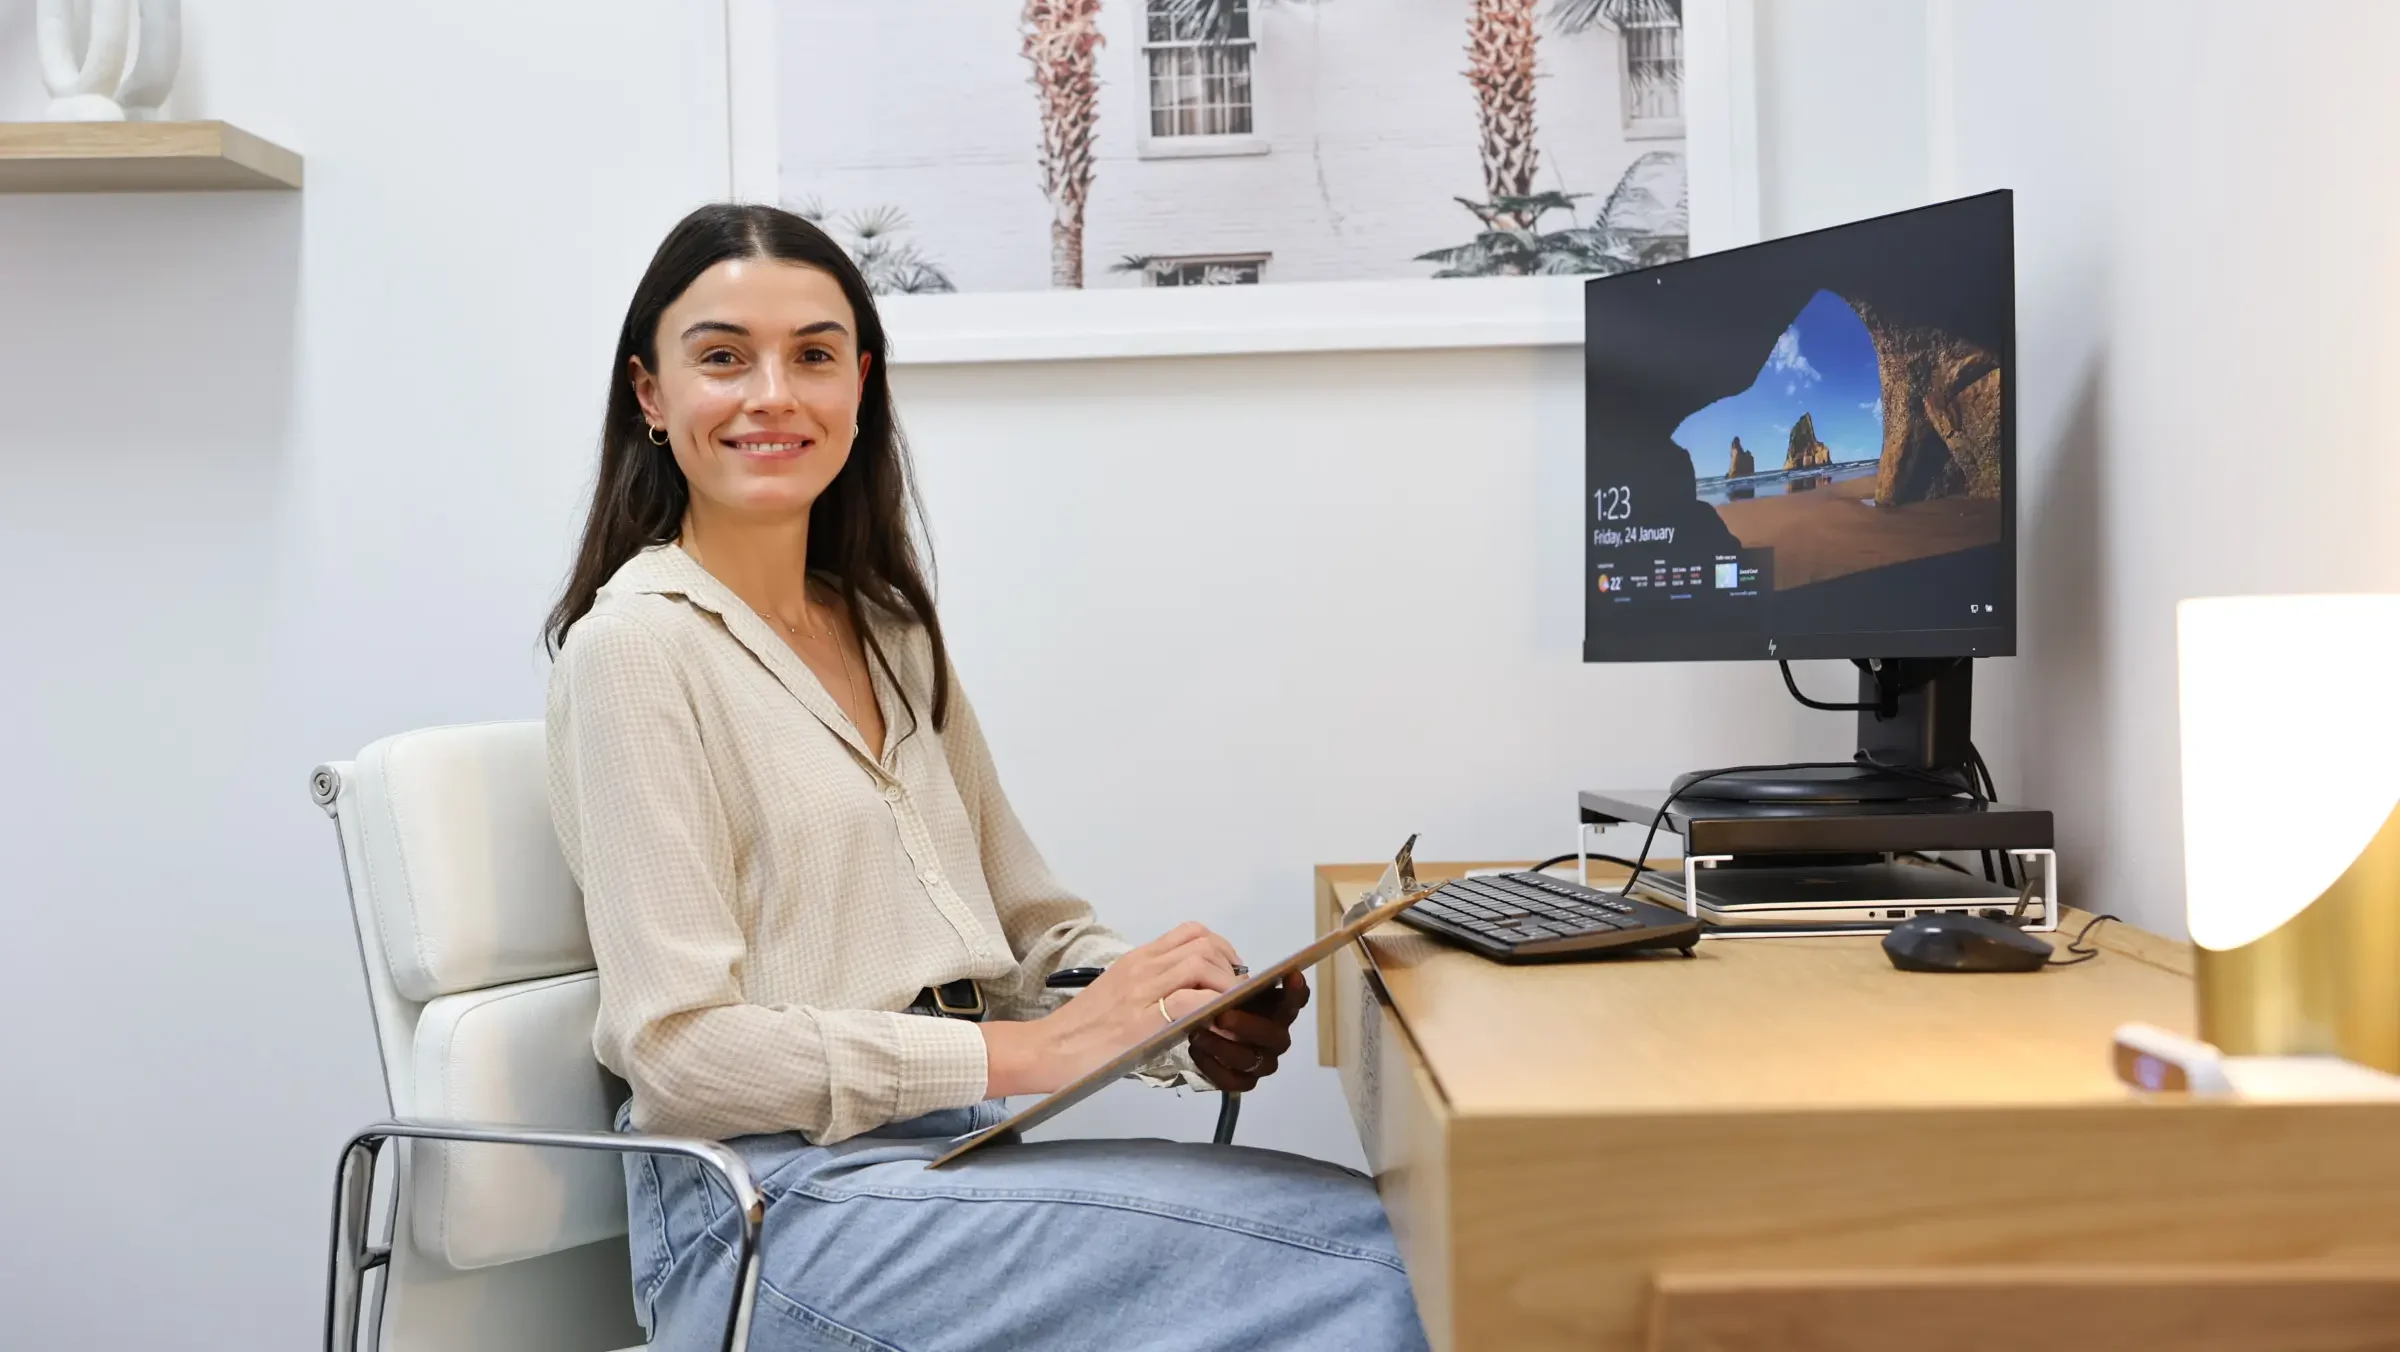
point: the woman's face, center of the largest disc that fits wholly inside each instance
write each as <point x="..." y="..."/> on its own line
<point x="757" y="387"/>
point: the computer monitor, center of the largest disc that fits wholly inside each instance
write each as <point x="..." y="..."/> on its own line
<point x="1807" y="449"/>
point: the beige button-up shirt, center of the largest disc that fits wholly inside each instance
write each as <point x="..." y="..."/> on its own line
<point x="765" y="894"/>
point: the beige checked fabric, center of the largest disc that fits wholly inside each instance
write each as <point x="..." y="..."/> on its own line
<point x="764" y="893"/>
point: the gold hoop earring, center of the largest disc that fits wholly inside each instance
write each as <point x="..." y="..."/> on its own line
<point x="658" y="435"/>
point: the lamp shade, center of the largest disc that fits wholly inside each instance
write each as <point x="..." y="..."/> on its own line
<point x="2290" y="709"/>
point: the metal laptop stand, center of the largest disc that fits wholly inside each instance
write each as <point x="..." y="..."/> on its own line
<point x="1718" y="834"/>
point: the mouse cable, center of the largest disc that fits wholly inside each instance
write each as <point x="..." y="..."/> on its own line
<point x="2076" y="945"/>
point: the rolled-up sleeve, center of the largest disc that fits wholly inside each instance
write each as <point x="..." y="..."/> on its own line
<point x="646" y="835"/>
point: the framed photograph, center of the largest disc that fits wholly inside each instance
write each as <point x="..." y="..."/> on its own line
<point x="1044" y="179"/>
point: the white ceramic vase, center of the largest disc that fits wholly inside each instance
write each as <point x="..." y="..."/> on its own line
<point x="84" y="46"/>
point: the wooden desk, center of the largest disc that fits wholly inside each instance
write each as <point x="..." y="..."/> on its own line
<point x="1789" y="1144"/>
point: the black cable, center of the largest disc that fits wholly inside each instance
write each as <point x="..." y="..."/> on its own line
<point x="1982" y="790"/>
<point x="1930" y="777"/>
<point x="1938" y="778"/>
<point x="2075" y="945"/>
<point x="1679" y="791"/>
<point x="1794" y="687"/>
<point x="1570" y="858"/>
<point x="1982" y="767"/>
<point x="1991" y="794"/>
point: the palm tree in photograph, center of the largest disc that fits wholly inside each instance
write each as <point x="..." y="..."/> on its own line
<point x="1644" y="219"/>
<point x="1644" y="222"/>
<point x="1502" y="44"/>
<point x="1062" y="43"/>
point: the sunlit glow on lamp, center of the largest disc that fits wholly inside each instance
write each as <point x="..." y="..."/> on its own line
<point x="2291" y="822"/>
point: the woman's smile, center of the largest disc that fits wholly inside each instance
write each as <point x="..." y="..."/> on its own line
<point x="769" y="445"/>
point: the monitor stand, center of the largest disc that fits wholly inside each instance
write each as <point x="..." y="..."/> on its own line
<point x="1914" y="717"/>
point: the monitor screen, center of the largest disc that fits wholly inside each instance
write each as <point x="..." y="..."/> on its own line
<point x="1807" y="448"/>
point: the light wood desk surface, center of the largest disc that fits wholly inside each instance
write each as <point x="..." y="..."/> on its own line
<point x="1677" y="1154"/>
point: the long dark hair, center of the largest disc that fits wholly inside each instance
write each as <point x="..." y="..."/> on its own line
<point x="864" y="530"/>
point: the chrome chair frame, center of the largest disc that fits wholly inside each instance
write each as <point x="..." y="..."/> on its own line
<point x="354" y="1254"/>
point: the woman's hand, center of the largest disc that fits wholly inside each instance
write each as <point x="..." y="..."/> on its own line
<point x="1242" y="1046"/>
<point x="1182" y="970"/>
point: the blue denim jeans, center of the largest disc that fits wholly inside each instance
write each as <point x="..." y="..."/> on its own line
<point x="1053" y="1245"/>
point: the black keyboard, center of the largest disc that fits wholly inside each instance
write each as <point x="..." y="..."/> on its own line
<point x="1533" y="917"/>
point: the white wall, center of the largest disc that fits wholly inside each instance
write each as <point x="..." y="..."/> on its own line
<point x="2209" y="260"/>
<point x="284" y="474"/>
<point x="279" y="473"/>
<point x="1841" y="110"/>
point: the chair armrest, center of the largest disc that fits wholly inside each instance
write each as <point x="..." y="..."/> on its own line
<point x="353" y="1257"/>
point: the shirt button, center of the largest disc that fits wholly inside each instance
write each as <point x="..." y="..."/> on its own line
<point x="892" y="793"/>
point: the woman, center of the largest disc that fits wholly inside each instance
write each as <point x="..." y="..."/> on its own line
<point x="804" y="885"/>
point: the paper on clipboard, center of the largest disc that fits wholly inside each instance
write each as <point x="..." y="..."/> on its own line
<point x="1395" y="892"/>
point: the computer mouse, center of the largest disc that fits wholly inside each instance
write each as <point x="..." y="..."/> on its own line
<point x="1950" y="942"/>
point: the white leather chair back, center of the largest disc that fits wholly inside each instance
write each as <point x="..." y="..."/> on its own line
<point x="462" y="868"/>
<point x="479" y="971"/>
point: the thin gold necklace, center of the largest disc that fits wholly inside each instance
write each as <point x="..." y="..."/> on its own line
<point x="841" y="650"/>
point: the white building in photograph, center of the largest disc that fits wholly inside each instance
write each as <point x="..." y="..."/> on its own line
<point x="1307" y="140"/>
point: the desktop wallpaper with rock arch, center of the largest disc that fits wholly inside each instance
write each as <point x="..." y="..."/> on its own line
<point x="1807" y="437"/>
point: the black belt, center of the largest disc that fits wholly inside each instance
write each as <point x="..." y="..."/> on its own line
<point x="960" y="999"/>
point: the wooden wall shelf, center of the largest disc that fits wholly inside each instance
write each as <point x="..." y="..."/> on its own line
<point x="140" y="157"/>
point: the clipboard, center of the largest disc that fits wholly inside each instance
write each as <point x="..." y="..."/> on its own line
<point x="1394" y="893"/>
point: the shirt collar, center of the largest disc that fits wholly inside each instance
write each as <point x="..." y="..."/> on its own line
<point x="665" y="570"/>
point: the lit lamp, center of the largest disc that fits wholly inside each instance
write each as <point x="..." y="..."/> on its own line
<point x="2291" y="719"/>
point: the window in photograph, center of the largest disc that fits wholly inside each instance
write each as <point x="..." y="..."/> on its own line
<point x="1199" y="82"/>
<point x="1206" y="270"/>
<point x="1652" y="40"/>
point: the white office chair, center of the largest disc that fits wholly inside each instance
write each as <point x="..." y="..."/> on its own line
<point x="479" y="971"/>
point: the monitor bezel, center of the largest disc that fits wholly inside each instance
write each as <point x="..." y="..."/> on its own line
<point x="1993" y="640"/>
